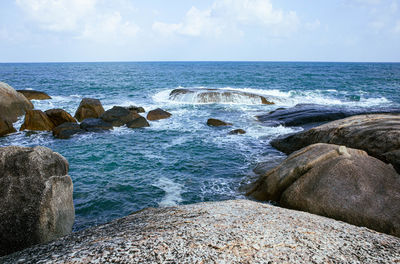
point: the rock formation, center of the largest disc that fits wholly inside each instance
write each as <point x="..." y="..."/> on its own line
<point x="6" y="127"/>
<point x="59" y="116"/>
<point x="12" y="103"/>
<point x="217" y="122"/>
<point x="118" y="116"/>
<point x="237" y="132"/>
<point x="89" y="108"/>
<point x="67" y="130"/>
<point x="157" y="114"/>
<point x="95" y="125"/>
<point x="138" y="122"/>
<point x="34" y="95"/>
<point x="36" y="120"/>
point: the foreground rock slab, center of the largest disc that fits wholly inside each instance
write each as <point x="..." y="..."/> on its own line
<point x="12" y="103"/>
<point x="34" y="95"/>
<point x="338" y="182"/>
<point x="89" y="108"/>
<point x="238" y="231"/>
<point x="377" y="134"/>
<point x="36" y="197"/>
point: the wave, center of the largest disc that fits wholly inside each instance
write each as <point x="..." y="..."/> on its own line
<point x="173" y="192"/>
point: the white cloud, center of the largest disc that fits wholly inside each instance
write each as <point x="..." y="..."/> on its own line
<point x="232" y="15"/>
<point x="313" y="25"/>
<point x="84" y="19"/>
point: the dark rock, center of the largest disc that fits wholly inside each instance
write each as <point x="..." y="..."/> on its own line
<point x="377" y="134"/>
<point x="36" y="120"/>
<point x="338" y="182"/>
<point x="59" y="116"/>
<point x="66" y="130"/>
<point x="36" y="197"/>
<point x="138" y="122"/>
<point x="217" y="96"/>
<point x="309" y="115"/>
<point x="136" y="109"/>
<point x="157" y="114"/>
<point x="118" y="116"/>
<point x="6" y="127"/>
<point x="89" y="108"/>
<point x="237" y="131"/>
<point x="12" y="103"/>
<point x="217" y="122"/>
<point x="34" y="95"/>
<point x="95" y="125"/>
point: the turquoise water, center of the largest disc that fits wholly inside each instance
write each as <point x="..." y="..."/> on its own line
<point x="181" y="160"/>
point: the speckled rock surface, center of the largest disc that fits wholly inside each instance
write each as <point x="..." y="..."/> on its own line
<point x="239" y="231"/>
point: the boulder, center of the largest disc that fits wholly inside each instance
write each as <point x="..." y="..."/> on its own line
<point x="338" y="182"/>
<point x="12" y="103"/>
<point x="138" y="122"/>
<point x="89" y="108"/>
<point x="59" y="116"/>
<point x="216" y="96"/>
<point x="237" y="132"/>
<point x="36" y="120"/>
<point x="95" y="125"/>
<point x="34" y="95"/>
<point x="377" y="134"/>
<point x="136" y="109"/>
<point x="239" y="231"/>
<point x="217" y="122"/>
<point x="6" y="127"/>
<point x="118" y="116"/>
<point x="66" y="130"/>
<point x="157" y="114"/>
<point x="36" y="203"/>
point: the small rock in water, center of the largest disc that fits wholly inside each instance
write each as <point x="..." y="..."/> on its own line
<point x="157" y="114"/>
<point x="237" y="132"/>
<point x="66" y="130"/>
<point x="138" y="123"/>
<point x="217" y="122"/>
<point x="34" y="95"/>
<point x="95" y="125"/>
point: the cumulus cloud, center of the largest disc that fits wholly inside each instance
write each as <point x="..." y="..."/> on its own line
<point x="84" y="19"/>
<point x="232" y="15"/>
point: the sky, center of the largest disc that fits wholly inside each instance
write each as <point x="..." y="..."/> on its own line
<point x="199" y="30"/>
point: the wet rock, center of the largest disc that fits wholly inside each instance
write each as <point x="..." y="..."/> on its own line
<point x="338" y="182"/>
<point x="157" y="114"/>
<point x="240" y="231"/>
<point x="89" y="108"/>
<point x="59" y="116"/>
<point x="377" y="134"/>
<point x="36" y="197"/>
<point x="36" y="120"/>
<point x="6" y="127"/>
<point x="95" y="125"/>
<point x="67" y="130"/>
<point x="237" y="132"/>
<point x="138" y="122"/>
<point x="12" y="103"/>
<point x="217" y="122"/>
<point x="118" y="116"/>
<point x="216" y="96"/>
<point x="136" y="109"/>
<point x="34" y="95"/>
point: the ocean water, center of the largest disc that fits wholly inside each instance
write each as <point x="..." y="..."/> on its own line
<point x="181" y="160"/>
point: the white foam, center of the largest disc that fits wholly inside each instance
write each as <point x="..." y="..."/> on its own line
<point x="173" y="192"/>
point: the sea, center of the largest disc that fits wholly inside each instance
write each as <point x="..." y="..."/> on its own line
<point x="181" y="160"/>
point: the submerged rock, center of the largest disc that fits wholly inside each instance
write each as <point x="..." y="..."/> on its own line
<point x="216" y="96"/>
<point x="157" y="114"/>
<point x="237" y="132"/>
<point x="36" y="197"/>
<point x="217" y="122"/>
<point x="12" y="103"/>
<point x="67" y="130"/>
<point x="118" y="116"/>
<point x="89" y="108"/>
<point x="34" y="95"/>
<point x="239" y="231"/>
<point x="95" y="125"/>
<point x="6" y="127"/>
<point x="36" y="120"/>
<point x="138" y="122"/>
<point x="59" y="116"/>
<point x="338" y="182"/>
<point x="377" y="134"/>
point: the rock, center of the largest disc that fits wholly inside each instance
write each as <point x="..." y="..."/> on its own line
<point x="338" y="182"/>
<point x="118" y="116"/>
<point x="59" y="116"/>
<point x="95" y="125"/>
<point x="36" y="197"/>
<point x="216" y="96"/>
<point x="377" y="134"/>
<point x="89" y="108"/>
<point x="36" y="120"/>
<point x="67" y="130"/>
<point x="12" y="103"/>
<point x="138" y="122"/>
<point x="6" y="127"/>
<point x="240" y="231"/>
<point x="237" y="132"/>
<point x="34" y="95"/>
<point x="136" y="109"/>
<point x="217" y="122"/>
<point x="157" y="114"/>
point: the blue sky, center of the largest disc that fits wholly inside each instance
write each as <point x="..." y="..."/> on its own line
<point x="156" y="30"/>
